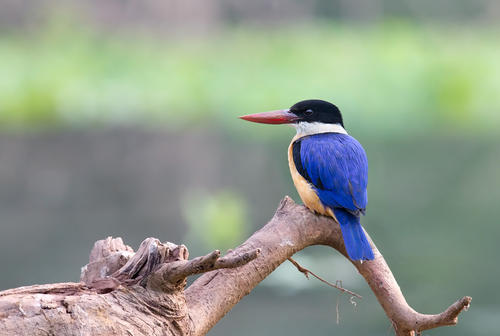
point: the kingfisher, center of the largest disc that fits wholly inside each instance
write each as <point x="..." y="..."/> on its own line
<point x="329" y="167"/>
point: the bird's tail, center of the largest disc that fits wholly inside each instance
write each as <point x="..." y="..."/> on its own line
<point x="355" y="241"/>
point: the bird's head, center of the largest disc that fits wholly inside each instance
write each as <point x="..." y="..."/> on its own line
<point x="307" y="116"/>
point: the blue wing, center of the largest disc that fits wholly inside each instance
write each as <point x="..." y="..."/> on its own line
<point x="336" y="165"/>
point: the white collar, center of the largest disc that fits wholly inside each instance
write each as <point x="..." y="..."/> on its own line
<point x="310" y="128"/>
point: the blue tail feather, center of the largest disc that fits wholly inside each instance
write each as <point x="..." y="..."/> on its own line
<point x="355" y="241"/>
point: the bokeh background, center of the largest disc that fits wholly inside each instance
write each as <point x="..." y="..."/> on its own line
<point x="120" y="118"/>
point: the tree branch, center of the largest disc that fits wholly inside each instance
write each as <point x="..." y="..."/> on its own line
<point x="123" y="293"/>
<point x="292" y="229"/>
<point x="306" y="272"/>
<point x="179" y="270"/>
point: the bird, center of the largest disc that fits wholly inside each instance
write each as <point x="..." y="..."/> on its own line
<point x="329" y="168"/>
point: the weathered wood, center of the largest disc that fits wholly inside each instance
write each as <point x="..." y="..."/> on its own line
<point x="123" y="293"/>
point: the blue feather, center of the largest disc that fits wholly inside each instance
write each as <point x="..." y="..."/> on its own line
<point x="337" y="167"/>
<point x="355" y="241"/>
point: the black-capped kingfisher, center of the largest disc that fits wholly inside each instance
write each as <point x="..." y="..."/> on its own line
<point x="329" y="167"/>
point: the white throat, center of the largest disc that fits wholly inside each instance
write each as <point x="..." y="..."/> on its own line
<point x="308" y="128"/>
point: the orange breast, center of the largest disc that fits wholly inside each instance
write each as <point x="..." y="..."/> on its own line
<point x="304" y="188"/>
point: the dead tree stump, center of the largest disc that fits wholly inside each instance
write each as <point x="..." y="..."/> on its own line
<point x="144" y="293"/>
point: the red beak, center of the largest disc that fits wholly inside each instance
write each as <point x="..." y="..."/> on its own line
<point x="272" y="117"/>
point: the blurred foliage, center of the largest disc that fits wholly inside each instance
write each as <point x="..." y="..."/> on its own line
<point x="215" y="221"/>
<point x="433" y="197"/>
<point x="392" y="77"/>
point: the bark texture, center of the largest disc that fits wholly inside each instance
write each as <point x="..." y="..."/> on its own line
<point x="143" y="293"/>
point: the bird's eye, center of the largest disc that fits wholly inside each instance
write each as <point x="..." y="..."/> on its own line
<point x="308" y="112"/>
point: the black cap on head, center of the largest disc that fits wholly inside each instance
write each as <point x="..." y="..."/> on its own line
<point x="315" y="110"/>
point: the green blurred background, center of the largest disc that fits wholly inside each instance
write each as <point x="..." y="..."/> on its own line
<point x="119" y="118"/>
